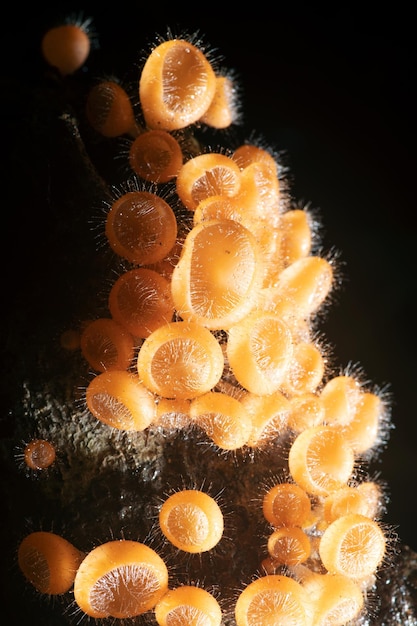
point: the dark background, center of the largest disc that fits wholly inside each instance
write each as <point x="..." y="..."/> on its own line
<point x="335" y="91"/>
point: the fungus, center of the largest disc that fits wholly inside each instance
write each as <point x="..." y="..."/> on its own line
<point x="270" y="299"/>
<point x="286" y="504"/>
<point x="217" y="208"/>
<point x="305" y="284"/>
<point x="259" y="350"/>
<point x="188" y="605"/>
<point x="39" y="454"/>
<point x="156" y="156"/>
<point x="272" y="599"/>
<point x="363" y="430"/>
<point x="268" y="415"/>
<point x="109" y="110"/>
<point x="289" y="545"/>
<point x="296" y="236"/>
<point x="177" y="85"/>
<point x="218" y="297"/>
<point x="334" y="599"/>
<point x="372" y="492"/>
<point x="306" y="411"/>
<point x="353" y="545"/>
<point x="362" y="499"/>
<point x="118" y="399"/>
<point x="320" y="460"/>
<point x="70" y="339"/>
<point x="306" y="369"/>
<point x="120" y="579"/>
<point x="259" y="193"/>
<point x="106" y="345"/>
<point x="180" y="360"/>
<point x="66" y="47"/>
<point x="219" y="272"/>
<point x="140" y="301"/>
<point x="223" y="418"/>
<point x="141" y="227"/>
<point x="248" y="153"/>
<point x="223" y="110"/>
<point x="340" y="396"/>
<point x="49" y="562"/>
<point x="206" y="175"/>
<point x="258" y="204"/>
<point x="191" y="520"/>
<point x="173" y="412"/>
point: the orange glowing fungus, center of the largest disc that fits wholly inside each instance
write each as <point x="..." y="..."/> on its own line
<point x="206" y="175"/>
<point x="259" y="192"/>
<point x="222" y="111"/>
<point x="259" y="350"/>
<point x="258" y="204"/>
<point x="118" y="399"/>
<point x="320" y="460"/>
<point x="141" y="227"/>
<point x="217" y="208"/>
<point x="286" y="504"/>
<point x="66" y="47"/>
<point x="289" y="545"/>
<point x="156" y="156"/>
<point x="347" y="499"/>
<point x="173" y="412"/>
<point x="106" y="345"/>
<point x="268" y="415"/>
<point x="39" y="454"/>
<point x="373" y="494"/>
<point x="49" y="562"/>
<point x="223" y="418"/>
<point x="180" y="360"/>
<point x="191" y="520"/>
<point x="70" y="339"/>
<point x="247" y="153"/>
<point x="306" y="410"/>
<point x="176" y="86"/>
<point x="363" y="429"/>
<point x="305" y="284"/>
<point x="109" y="110"/>
<point x="353" y="545"/>
<point x="306" y="369"/>
<point x="188" y="606"/>
<point x="120" y="579"/>
<point x="339" y="396"/>
<point x="335" y="599"/>
<point x="140" y="301"/>
<point x="218" y="275"/>
<point x="296" y="237"/>
<point x="272" y="600"/>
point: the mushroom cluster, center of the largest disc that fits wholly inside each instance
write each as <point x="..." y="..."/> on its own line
<point x="211" y="326"/>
